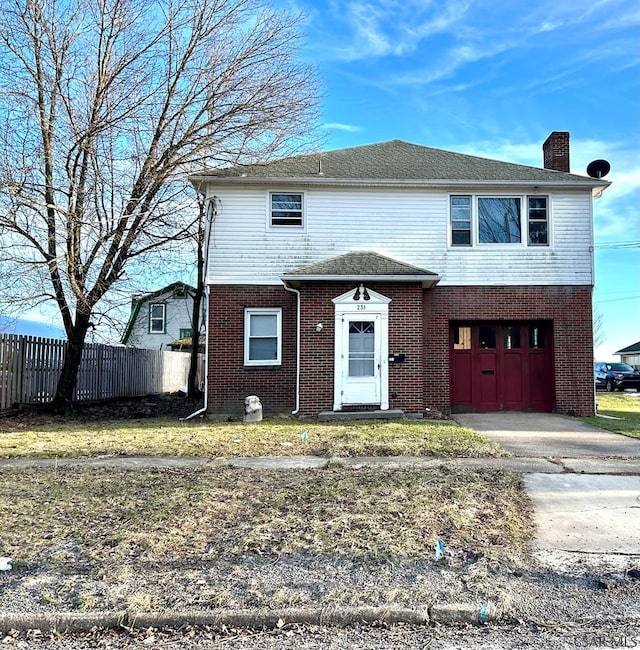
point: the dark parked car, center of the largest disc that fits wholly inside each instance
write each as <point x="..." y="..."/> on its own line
<point x="616" y="376"/>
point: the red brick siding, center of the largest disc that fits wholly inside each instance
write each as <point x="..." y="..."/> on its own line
<point x="317" y="348"/>
<point x="229" y="381"/>
<point x="420" y="381"/>
<point x="568" y="308"/>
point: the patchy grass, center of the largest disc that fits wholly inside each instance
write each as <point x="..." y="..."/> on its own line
<point x="50" y="437"/>
<point x="110" y="522"/>
<point x="625" y="407"/>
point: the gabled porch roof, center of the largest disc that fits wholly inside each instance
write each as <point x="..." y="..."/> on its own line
<point x="361" y="266"/>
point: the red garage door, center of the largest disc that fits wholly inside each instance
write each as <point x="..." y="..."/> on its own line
<point x="501" y="366"/>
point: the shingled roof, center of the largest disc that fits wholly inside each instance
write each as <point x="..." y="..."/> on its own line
<point x="392" y="161"/>
<point x="362" y="265"/>
<point x="634" y="348"/>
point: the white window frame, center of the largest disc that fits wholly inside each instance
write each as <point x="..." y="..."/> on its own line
<point x="545" y="220"/>
<point x="524" y="221"/>
<point x="293" y="226"/>
<point x="152" y="319"/>
<point x="262" y="311"/>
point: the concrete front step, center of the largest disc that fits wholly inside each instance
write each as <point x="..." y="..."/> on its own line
<point x="390" y="414"/>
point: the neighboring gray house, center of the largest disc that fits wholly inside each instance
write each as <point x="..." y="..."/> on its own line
<point x="160" y="318"/>
<point x="630" y="355"/>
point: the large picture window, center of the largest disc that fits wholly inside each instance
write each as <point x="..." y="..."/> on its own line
<point x="262" y="337"/>
<point x="498" y="220"/>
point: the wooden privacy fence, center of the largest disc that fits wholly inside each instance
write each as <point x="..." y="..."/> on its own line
<point x="30" y="367"/>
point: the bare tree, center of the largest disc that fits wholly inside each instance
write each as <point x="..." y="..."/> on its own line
<point x="599" y="333"/>
<point x="105" y="107"/>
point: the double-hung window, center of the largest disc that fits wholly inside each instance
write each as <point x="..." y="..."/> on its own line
<point x="538" y="221"/>
<point x="461" y="221"/>
<point x="479" y="220"/>
<point x="262" y="337"/>
<point x="157" y="318"/>
<point x="286" y="209"/>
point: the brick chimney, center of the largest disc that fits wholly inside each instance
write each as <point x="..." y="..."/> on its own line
<point x="556" y="151"/>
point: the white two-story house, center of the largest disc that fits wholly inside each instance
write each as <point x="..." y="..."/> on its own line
<point x="397" y="276"/>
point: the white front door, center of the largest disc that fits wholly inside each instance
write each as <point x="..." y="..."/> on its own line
<point x="361" y="349"/>
<point x="361" y="360"/>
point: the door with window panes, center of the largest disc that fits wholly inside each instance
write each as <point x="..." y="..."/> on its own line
<point x="501" y="366"/>
<point x="361" y="363"/>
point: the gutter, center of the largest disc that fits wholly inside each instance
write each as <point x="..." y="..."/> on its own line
<point x="427" y="281"/>
<point x="297" y="292"/>
<point x="575" y="181"/>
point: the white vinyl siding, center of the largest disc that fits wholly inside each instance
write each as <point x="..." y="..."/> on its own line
<point x="411" y="225"/>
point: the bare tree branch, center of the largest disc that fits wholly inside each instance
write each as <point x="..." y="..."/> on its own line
<point x="108" y="106"/>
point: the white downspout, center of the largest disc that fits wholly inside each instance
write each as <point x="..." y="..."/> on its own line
<point x="297" y="292"/>
<point x="206" y="360"/>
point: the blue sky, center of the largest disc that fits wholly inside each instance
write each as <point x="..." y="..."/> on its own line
<point x="494" y="79"/>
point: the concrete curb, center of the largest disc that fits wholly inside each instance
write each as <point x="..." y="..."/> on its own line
<point x="444" y="614"/>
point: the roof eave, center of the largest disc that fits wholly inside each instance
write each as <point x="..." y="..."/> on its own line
<point x="427" y="281"/>
<point x="598" y="185"/>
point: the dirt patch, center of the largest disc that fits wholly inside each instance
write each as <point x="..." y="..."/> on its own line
<point x="174" y="405"/>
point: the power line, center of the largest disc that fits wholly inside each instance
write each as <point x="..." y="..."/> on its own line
<point x="599" y="302"/>
<point x="618" y="244"/>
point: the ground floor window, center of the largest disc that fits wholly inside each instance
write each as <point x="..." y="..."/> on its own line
<point x="262" y="337"/>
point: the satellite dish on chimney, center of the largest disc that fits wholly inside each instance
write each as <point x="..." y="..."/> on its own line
<point x="598" y="168"/>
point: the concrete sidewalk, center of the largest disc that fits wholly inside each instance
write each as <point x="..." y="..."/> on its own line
<point x="608" y="466"/>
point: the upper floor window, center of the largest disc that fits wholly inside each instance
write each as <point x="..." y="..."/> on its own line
<point x="538" y="221"/>
<point x="499" y="220"/>
<point x="461" y="220"/>
<point x="185" y="333"/>
<point x="262" y="337"/>
<point x="157" y="318"/>
<point x="286" y="209"/>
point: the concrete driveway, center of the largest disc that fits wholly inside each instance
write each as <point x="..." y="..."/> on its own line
<point x="591" y="508"/>
<point x="547" y="435"/>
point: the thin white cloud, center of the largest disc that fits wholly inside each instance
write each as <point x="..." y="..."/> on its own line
<point x="378" y="28"/>
<point x="339" y="126"/>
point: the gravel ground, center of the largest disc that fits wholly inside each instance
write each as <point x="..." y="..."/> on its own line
<point x="583" y="602"/>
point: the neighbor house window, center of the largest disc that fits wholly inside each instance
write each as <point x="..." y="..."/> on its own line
<point x="499" y="220"/>
<point x="538" y="221"/>
<point x="185" y="333"/>
<point x="157" y="318"/>
<point x="286" y="209"/>
<point x="461" y="221"/>
<point x="262" y="337"/>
